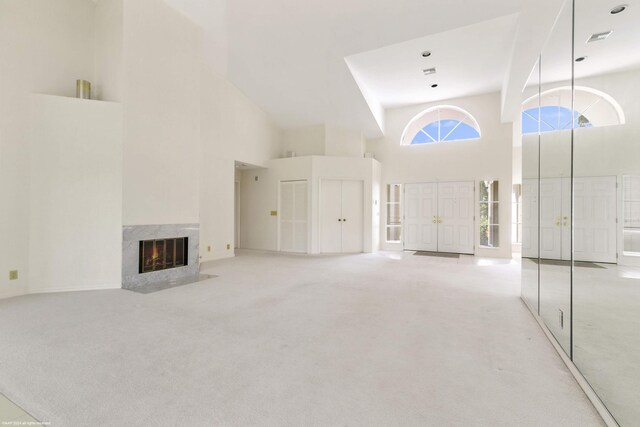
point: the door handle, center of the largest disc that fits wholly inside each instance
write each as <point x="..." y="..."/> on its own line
<point x="564" y="222"/>
<point x="434" y="219"/>
<point x="344" y="219"/>
<point x="339" y="220"/>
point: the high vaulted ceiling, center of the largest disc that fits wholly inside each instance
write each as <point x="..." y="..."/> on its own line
<point x="288" y="56"/>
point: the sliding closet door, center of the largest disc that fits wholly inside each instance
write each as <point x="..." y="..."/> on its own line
<point x="455" y="217"/>
<point x="352" y="216"/>
<point x="331" y="216"/>
<point x="293" y="216"/>
<point x="420" y="217"/>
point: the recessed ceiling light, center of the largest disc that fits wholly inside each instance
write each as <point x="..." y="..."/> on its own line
<point x="428" y="71"/>
<point x="434" y="85"/>
<point x="599" y="36"/>
<point x="580" y="59"/>
<point x="618" y="9"/>
<point x="426" y="54"/>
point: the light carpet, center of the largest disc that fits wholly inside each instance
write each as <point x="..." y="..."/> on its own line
<point x="277" y="340"/>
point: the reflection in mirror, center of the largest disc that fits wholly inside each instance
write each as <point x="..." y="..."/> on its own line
<point x="529" y="189"/>
<point x="557" y="118"/>
<point x="606" y="280"/>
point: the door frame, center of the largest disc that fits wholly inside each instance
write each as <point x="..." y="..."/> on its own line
<point x="238" y="213"/>
<point x="364" y="210"/>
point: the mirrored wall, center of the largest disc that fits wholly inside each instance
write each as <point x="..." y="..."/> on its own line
<point x="581" y="196"/>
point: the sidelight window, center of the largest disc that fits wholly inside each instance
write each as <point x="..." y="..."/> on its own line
<point x="394" y="218"/>
<point x="489" y="214"/>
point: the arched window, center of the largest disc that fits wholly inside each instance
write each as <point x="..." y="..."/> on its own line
<point x="443" y="123"/>
<point x="591" y="108"/>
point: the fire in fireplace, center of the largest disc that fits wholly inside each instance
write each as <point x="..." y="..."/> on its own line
<point x="162" y="254"/>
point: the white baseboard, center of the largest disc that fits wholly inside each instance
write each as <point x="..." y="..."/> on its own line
<point x="580" y="379"/>
<point x="74" y="289"/>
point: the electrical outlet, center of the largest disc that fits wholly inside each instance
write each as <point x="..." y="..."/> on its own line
<point x="209" y="248"/>
<point x="13" y="275"/>
<point x="228" y="246"/>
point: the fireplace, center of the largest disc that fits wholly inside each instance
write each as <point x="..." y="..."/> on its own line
<point x="159" y="253"/>
<point x="163" y="254"/>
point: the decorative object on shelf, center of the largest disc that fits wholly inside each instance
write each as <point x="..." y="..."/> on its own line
<point x="83" y="89"/>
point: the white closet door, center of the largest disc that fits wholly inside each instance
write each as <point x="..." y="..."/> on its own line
<point x="352" y="216"/>
<point x="455" y="214"/>
<point x="595" y="219"/>
<point x="331" y="216"/>
<point x="530" y="218"/>
<point x="293" y="216"/>
<point x="420" y="212"/>
<point x="551" y="218"/>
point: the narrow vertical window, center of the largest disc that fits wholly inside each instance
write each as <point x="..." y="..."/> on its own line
<point x="394" y="219"/>
<point x="489" y="214"/>
<point x="516" y="214"/>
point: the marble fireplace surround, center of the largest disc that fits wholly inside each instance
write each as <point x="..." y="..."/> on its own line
<point x="131" y="237"/>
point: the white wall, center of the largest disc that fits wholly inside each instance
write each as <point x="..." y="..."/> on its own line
<point x="107" y="82"/>
<point x="487" y="158"/>
<point x="75" y="219"/>
<point x="343" y="143"/>
<point x="323" y="140"/>
<point x="233" y="128"/>
<point x="305" y="141"/>
<point x="161" y="99"/>
<point x="45" y="47"/>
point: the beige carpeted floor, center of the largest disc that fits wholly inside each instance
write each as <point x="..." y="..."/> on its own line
<point x="362" y="340"/>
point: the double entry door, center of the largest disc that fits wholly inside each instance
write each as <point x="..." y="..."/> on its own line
<point x="341" y="216"/>
<point x="439" y="217"/>
<point x="594" y="218"/>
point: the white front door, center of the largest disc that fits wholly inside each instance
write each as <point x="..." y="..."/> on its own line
<point x="293" y="216"/>
<point x="439" y="217"/>
<point x="530" y="218"/>
<point x="420" y="217"/>
<point x="595" y="219"/>
<point x="551" y="218"/>
<point x="455" y="217"/>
